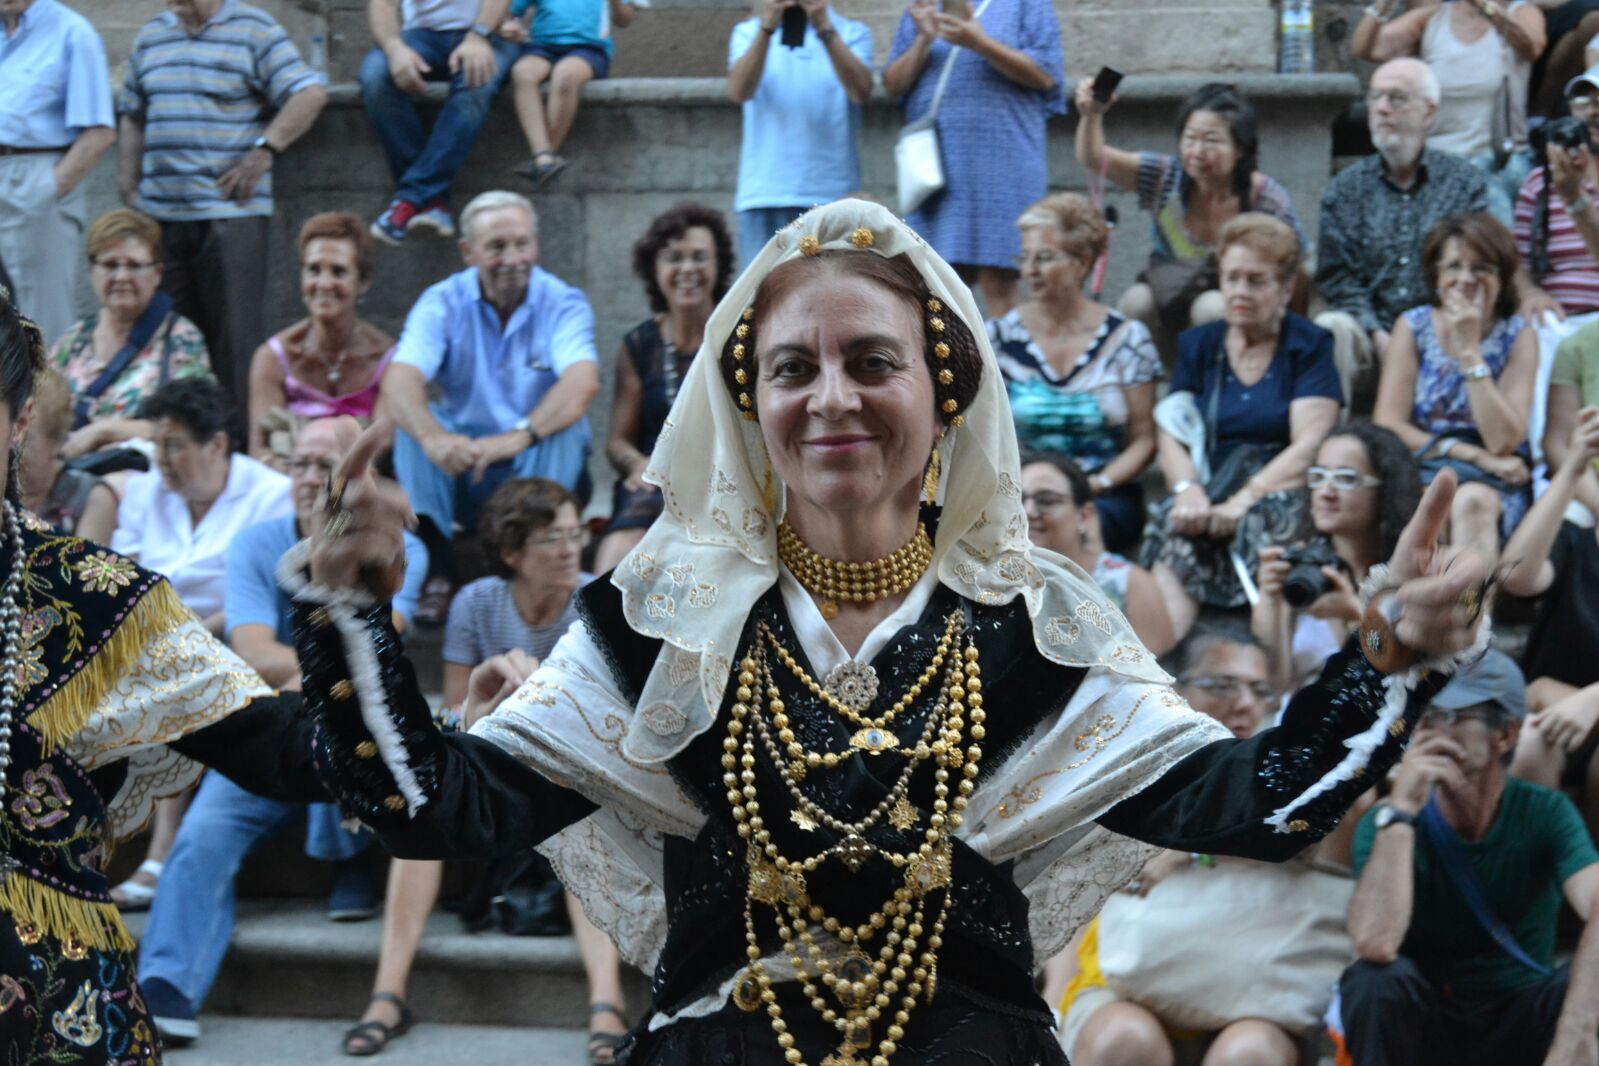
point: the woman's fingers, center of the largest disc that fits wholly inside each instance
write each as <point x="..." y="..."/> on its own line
<point x="359" y="450"/>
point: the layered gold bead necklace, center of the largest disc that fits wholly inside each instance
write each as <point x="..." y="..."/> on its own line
<point x="834" y="582"/>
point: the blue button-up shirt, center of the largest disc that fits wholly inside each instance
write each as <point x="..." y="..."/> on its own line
<point x="489" y="377"/>
<point x="54" y="83"/>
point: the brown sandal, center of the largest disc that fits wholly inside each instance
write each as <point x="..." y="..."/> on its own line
<point x="602" y="1047"/>
<point x="369" y="1038"/>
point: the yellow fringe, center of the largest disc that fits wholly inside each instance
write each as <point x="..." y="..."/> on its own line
<point x="64" y="713"/>
<point x="95" y="925"/>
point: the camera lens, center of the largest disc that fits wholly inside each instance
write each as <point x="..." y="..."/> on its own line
<point x="1304" y="585"/>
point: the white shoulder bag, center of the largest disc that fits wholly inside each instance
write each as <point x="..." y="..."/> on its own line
<point x="918" y="159"/>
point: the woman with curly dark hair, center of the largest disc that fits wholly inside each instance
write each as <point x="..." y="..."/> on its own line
<point x="685" y="261"/>
<point x="1364" y="487"/>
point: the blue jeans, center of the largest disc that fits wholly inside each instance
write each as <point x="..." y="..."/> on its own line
<point x="424" y="164"/>
<point x="191" y="917"/>
<point x="756" y="226"/>
<point x="560" y="457"/>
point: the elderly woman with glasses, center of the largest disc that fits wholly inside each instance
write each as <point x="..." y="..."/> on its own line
<point x="1364" y="487"/>
<point x="1081" y="378"/>
<point x="837" y="753"/>
<point x="135" y="343"/>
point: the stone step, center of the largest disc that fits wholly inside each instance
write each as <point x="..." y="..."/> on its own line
<point x="234" y="1041"/>
<point x="287" y="960"/>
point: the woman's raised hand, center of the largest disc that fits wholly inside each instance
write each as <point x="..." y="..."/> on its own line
<point x="1085" y="100"/>
<point x="1460" y="317"/>
<point x="1442" y="590"/>
<point x="358" y="531"/>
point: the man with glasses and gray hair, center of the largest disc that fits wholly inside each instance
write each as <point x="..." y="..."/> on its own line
<point x="1461" y="875"/>
<point x="1375" y="214"/>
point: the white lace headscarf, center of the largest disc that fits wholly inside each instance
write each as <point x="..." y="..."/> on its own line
<point x="712" y="554"/>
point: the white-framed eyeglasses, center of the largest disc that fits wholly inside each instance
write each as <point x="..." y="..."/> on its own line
<point x="1342" y="478"/>
<point x="558" y="537"/>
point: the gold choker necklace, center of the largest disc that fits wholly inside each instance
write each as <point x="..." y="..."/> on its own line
<point x="834" y="582"/>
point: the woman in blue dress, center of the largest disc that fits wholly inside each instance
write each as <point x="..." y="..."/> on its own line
<point x="1008" y="78"/>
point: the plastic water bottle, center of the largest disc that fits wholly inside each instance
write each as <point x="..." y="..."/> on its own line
<point x="1297" y="53"/>
<point x="319" y="54"/>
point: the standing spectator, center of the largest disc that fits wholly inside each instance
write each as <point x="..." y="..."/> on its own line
<point x="1190" y="196"/>
<point x="191" y="919"/>
<point x="568" y="45"/>
<point x="1573" y="385"/>
<point x="136" y="342"/>
<point x="330" y="362"/>
<point x="1481" y="52"/>
<point x="1432" y="984"/>
<point x="1375" y="214"/>
<point x="1081" y="378"/>
<point x="685" y="260"/>
<point x="197" y="153"/>
<point x="1557" y="240"/>
<point x="1457" y="384"/>
<point x="73" y="501"/>
<point x="419" y="41"/>
<point x="56" y="122"/>
<point x="801" y="116"/>
<point x="510" y="350"/>
<point x="1006" y="82"/>
<point x="1261" y="392"/>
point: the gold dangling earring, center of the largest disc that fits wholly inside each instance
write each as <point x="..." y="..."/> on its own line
<point x="769" y="493"/>
<point x="930" y="480"/>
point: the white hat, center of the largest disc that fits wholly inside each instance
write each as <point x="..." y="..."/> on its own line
<point x="1590" y="76"/>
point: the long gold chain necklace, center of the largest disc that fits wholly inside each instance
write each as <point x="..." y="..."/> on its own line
<point x="862" y="988"/>
<point x="834" y="582"/>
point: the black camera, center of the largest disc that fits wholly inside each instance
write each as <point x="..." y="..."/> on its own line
<point x="1305" y="583"/>
<point x="1569" y="133"/>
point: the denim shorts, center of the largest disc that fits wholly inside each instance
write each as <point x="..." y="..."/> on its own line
<point x="596" y="58"/>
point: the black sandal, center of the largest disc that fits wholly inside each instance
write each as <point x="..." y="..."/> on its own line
<point x="602" y="1047"/>
<point x="369" y="1038"/>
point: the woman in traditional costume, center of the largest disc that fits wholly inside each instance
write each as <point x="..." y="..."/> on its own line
<point x="112" y="695"/>
<point x="837" y="755"/>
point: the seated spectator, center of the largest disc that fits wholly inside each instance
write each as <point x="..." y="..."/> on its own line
<point x="73" y="501"/>
<point x="1559" y="561"/>
<point x="1571" y="27"/>
<point x="1557" y="235"/>
<point x="796" y="106"/>
<point x="1000" y="92"/>
<point x="1481" y="52"/>
<point x="1432" y="983"/>
<point x="1457" y="384"/>
<point x="1222" y="673"/>
<point x="509" y="350"/>
<point x="1063" y="516"/>
<point x="1375" y="213"/>
<point x="1252" y="397"/>
<point x="685" y="261"/>
<point x="1190" y="196"/>
<point x="1573" y="385"/>
<point x="1081" y="378"/>
<point x="116" y="356"/>
<point x="451" y="41"/>
<point x="1364" y="486"/>
<point x="330" y="362"/>
<point x="533" y="538"/>
<point x="568" y="45"/>
<point x="191" y="919"/>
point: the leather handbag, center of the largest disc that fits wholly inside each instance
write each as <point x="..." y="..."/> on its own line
<point x="918" y="156"/>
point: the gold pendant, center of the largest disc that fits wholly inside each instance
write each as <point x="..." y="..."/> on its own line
<point x="874" y="741"/>
<point x="857" y="1039"/>
<point x="829" y="609"/>
<point x="747" y="993"/>
<point x="801" y="819"/>
<point x="854" y="684"/>
<point x="903" y="816"/>
<point x="853" y="851"/>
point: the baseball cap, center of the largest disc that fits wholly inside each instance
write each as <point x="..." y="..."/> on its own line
<point x="1495" y="678"/>
<point x="1589" y="77"/>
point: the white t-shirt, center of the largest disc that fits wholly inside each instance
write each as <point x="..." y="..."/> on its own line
<point x="438" y="14"/>
<point x="154" y="528"/>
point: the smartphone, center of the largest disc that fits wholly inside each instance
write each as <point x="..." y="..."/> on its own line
<point x="959" y="9"/>
<point x="1105" y="83"/>
<point x="793" y="27"/>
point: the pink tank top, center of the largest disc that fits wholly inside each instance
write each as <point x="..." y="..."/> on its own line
<point x="307" y="402"/>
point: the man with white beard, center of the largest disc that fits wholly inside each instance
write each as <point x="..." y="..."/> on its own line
<point x="1376" y="213"/>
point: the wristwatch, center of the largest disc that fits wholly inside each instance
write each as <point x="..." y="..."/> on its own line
<point x="265" y="145"/>
<point x="525" y="426"/>
<point x="1387" y="816"/>
<point x="481" y="30"/>
<point x="1477" y="373"/>
<point x="1183" y="486"/>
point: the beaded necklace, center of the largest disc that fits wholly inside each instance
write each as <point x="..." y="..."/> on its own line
<point x="11" y="661"/>
<point x="835" y="582"/>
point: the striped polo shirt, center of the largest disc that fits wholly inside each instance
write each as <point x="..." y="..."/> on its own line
<point x="204" y="99"/>
<point x="1572" y="277"/>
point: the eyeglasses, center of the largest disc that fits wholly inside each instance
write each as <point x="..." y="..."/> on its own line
<point x="122" y="266"/>
<point x="1576" y="102"/>
<point x="1045" y="502"/>
<point x="1227" y="687"/>
<point x="555" y="538"/>
<point x="1444" y="717"/>
<point x="670" y="258"/>
<point x="299" y="467"/>
<point x="1343" y="478"/>
<point x="1476" y="269"/>
<point x="1045" y="260"/>
<point x="1397" y="97"/>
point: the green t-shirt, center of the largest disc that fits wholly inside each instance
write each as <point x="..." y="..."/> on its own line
<point x="1577" y="363"/>
<point x="1536" y="843"/>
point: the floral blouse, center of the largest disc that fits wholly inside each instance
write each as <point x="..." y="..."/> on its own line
<point x="177" y="345"/>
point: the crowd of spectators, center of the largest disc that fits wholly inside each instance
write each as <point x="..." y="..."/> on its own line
<point x="1228" y="447"/>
